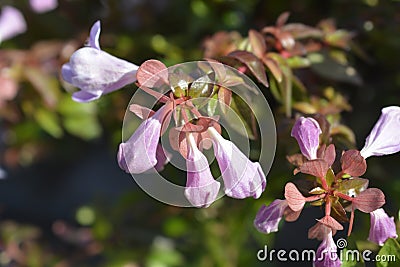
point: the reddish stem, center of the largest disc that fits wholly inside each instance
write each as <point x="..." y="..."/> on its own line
<point x="344" y="196"/>
<point x="327" y="206"/>
<point x="314" y="198"/>
<point x="351" y="221"/>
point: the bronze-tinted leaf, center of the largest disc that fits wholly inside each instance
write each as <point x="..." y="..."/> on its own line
<point x="317" y="167"/>
<point x="257" y="42"/>
<point x="291" y="215"/>
<point x="253" y="63"/>
<point x="369" y="200"/>
<point x="353" y="163"/>
<point x="296" y="159"/>
<point x="273" y="66"/>
<point x="337" y="210"/>
<point x="331" y="222"/>
<point x="282" y="19"/>
<point x="152" y="72"/>
<point x="225" y="98"/>
<point x="294" y="198"/>
<point x="318" y="231"/>
<point x="140" y="111"/>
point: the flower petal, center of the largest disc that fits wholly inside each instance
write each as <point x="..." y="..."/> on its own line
<point x="139" y="153"/>
<point x="268" y="217"/>
<point x="242" y="178"/>
<point x="382" y="227"/>
<point x="82" y="96"/>
<point x="41" y="6"/>
<point x="327" y="253"/>
<point x="384" y="138"/>
<point x="94" y="70"/>
<point x="307" y="131"/>
<point x="95" y="35"/>
<point x="12" y="23"/>
<point x="201" y="187"/>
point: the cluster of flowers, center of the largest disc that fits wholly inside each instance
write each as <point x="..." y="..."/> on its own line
<point x="97" y="73"/>
<point x="12" y="21"/>
<point x="340" y="192"/>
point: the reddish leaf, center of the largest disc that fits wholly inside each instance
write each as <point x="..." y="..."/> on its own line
<point x="331" y="223"/>
<point x="319" y="231"/>
<point x="225" y="97"/>
<point x="296" y="159"/>
<point x="257" y="42"/>
<point x="273" y="66"/>
<point x="325" y="127"/>
<point x="152" y="72"/>
<point x="282" y="19"/>
<point x="294" y="198"/>
<point x="141" y="112"/>
<point x="353" y="163"/>
<point x="291" y="215"/>
<point x="253" y="63"/>
<point x="369" y="200"/>
<point x="327" y="153"/>
<point x="316" y="167"/>
<point x="300" y="31"/>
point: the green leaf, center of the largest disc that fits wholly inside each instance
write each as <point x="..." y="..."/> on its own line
<point x="85" y="127"/>
<point x="285" y="86"/>
<point x="391" y="252"/>
<point x="355" y="185"/>
<point x="298" y="62"/>
<point x="330" y="177"/>
<point x="245" y="114"/>
<point x="212" y="105"/>
<point x="49" y="121"/>
<point x="332" y="69"/>
<point x="80" y="119"/>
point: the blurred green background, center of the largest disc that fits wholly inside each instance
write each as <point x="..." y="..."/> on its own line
<point x="65" y="202"/>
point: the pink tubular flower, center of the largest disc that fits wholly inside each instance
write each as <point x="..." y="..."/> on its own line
<point x="307" y="131"/>
<point x="382" y="227"/>
<point x="268" y="217"/>
<point x="201" y="187"/>
<point x="242" y="178"/>
<point x="384" y="138"/>
<point x="96" y="72"/>
<point x="41" y="6"/>
<point x="12" y="23"/>
<point x="139" y="153"/>
<point x="326" y="255"/>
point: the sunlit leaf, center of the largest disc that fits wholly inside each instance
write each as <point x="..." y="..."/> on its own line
<point x="253" y="63"/>
<point x="391" y="249"/>
<point x="49" y="121"/>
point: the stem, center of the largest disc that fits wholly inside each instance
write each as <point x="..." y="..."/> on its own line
<point x="327" y="206"/>
<point x="314" y="198"/>
<point x="351" y="221"/>
<point x="344" y="196"/>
